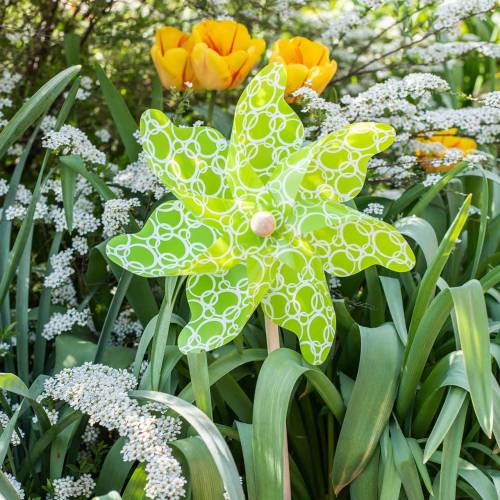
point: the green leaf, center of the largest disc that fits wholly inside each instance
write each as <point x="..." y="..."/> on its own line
<point x="451" y="455"/>
<point x="204" y="478"/>
<point x="390" y="486"/>
<point x="208" y="432"/>
<point x="472" y="325"/>
<point x="7" y="491"/>
<point x="432" y="192"/>
<point x="35" y="107"/>
<point x="370" y="404"/>
<point x="136" y="485"/>
<point x="428" y="284"/>
<point x="483" y="225"/>
<point x="394" y="298"/>
<point x="451" y="407"/>
<point x="71" y="351"/>
<point x="405" y="464"/>
<point x="245" y="432"/>
<point x="419" y="461"/>
<point x="365" y="486"/>
<point x="68" y="184"/>
<point x="277" y="380"/>
<point x="124" y="121"/>
<point x="198" y="373"/>
<point x="6" y="435"/>
<point x="114" y="470"/>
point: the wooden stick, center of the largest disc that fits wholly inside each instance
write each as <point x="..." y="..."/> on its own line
<point x="273" y="343"/>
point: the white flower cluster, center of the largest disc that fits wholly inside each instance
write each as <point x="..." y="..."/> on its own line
<point x="69" y="487"/>
<point x="482" y="123"/>
<point x="116" y="215"/>
<point x="64" y="295"/>
<point x="374" y="209"/>
<point x="15" y="440"/>
<point x="139" y="178"/>
<point x="9" y="81"/>
<point x="71" y="140"/>
<point x="60" y="323"/>
<point x="61" y="269"/>
<point x="392" y="96"/>
<point x="341" y="25"/>
<point x="491" y="99"/>
<point x="101" y="392"/>
<point x="126" y="326"/>
<point x="441" y="52"/>
<point x="451" y="12"/>
<point x="431" y="179"/>
<point x="15" y="484"/>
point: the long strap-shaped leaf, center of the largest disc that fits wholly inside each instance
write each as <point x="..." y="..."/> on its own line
<point x="208" y="432"/>
<point x="277" y="380"/>
<point x="34" y="107"/>
<point x="370" y="404"/>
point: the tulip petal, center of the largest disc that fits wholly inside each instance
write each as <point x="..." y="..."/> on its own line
<point x="299" y="301"/>
<point x="171" y="66"/>
<point x="191" y="159"/>
<point x="296" y="77"/>
<point x="348" y="241"/>
<point x="210" y="68"/>
<point x="338" y="165"/>
<point x="221" y="304"/>
<point x="265" y="132"/>
<point x="320" y="76"/>
<point x="254" y="51"/>
<point x="169" y="242"/>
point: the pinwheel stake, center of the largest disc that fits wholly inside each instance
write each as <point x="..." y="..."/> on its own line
<point x="259" y="219"/>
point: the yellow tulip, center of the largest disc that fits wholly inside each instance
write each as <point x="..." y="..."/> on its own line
<point x="171" y="56"/>
<point x="223" y="54"/>
<point x="307" y="64"/>
<point x="436" y="147"/>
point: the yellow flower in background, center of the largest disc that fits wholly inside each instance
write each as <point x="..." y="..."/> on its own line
<point x="223" y="53"/>
<point x="436" y="147"/>
<point x="171" y="55"/>
<point x="307" y="64"/>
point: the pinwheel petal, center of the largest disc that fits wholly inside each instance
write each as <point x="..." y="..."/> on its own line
<point x="169" y="242"/>
<point x="221" y="304"/>
<point x="187" y="159"/>
<point x="265" y="132"/>
<point x="299" y="301"/>
<point x="339" y="161"/>
<point x="349" y="241"/>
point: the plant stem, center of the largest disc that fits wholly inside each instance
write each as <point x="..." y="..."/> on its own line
<point x="273" y="343"/>
<point x="211" y="105"/>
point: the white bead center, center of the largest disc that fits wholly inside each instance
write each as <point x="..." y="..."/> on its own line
<point x="263" y="224"/>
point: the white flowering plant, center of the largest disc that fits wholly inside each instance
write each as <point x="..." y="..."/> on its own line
<point x="100" y="396"/>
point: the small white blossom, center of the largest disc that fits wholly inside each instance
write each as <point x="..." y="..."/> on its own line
<point x="15" y="440"/>
<point x="431" y="179"/>
<point x="116" y="215"/>
<point x="68" y="487"/>
<point x="61" y="269"/>
<point x="374" y="209"/>
<point x="101" y="392"/>
<point x="71" y="140"/>
<point x="60" y="323"/>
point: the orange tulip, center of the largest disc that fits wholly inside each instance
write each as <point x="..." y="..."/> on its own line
<point x="223" y="53"/>
<point x="307" y="64"/>
<point x="436" y="147"/>
<point x="171" y="56"/>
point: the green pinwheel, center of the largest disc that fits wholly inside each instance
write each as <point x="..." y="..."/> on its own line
<point x="260" y="219"/>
